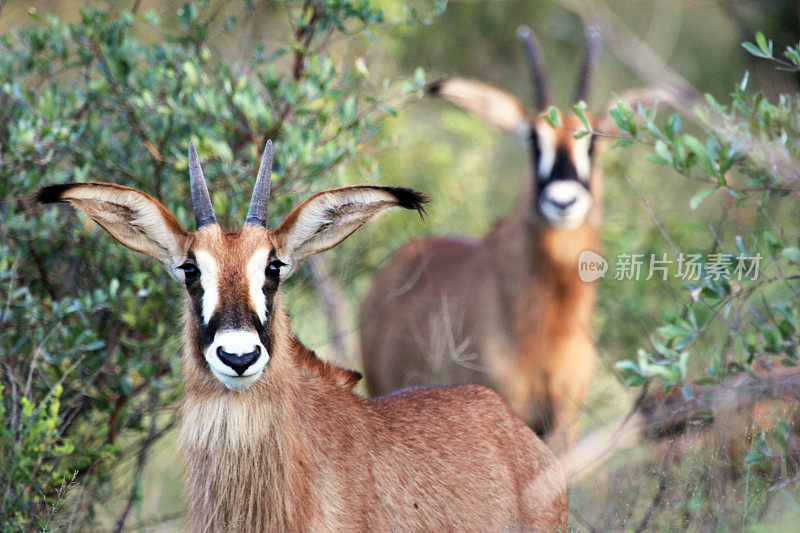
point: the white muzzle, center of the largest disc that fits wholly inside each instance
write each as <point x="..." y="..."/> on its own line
<point x="237" y="358"/>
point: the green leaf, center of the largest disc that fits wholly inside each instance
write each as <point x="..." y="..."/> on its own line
<point x="619" y="118"/>
<point x="663" y="151"/>
<point x="753" y="457"/>
<point x="675" y="123"/>
<point x="626" y="365"/>
<point x="671" y="331"/>
<point x="657" y="160"/>
<point x="578" y="109"/>
<point x="96" y="345"/>
<point x="683" y="364"/>
<point x="762" y="44"/>
<point x="753" y="49"/>
<point x="698" y="198"/>
<point x="701" y="151"/>
<point x="792" y="55"/>
<point x="151" y="17"/>
<point x="552" y="117"/>
<point x="622" y="143"/>
<point x="792" y="254"/>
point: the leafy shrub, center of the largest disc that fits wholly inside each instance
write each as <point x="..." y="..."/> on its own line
<point x="750" y="152"/>
<point x="735" y="335"/>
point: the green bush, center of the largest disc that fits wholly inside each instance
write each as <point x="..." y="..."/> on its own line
<point x="750" y="152"/>
<point x="89" y="347"/>
<point x="731" y="332"/>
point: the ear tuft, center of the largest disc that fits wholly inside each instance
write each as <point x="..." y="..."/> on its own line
<point x="409" y="198"/>
<point x="51" y="194"/>
<point x="329" y="217"/>
<point x="435" y="87"/>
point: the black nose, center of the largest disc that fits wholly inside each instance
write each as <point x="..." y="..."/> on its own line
<point x="238" y="362"/>
<point x="564" y="205"/>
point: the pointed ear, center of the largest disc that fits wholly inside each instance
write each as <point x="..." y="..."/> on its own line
<point x="132" y="217"/>
<point x="494" y="106"/>
<point x="329" y="217"/>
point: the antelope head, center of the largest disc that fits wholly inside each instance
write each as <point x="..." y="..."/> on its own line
<point x="563" y="192"/>
<point x="231" y="278"/>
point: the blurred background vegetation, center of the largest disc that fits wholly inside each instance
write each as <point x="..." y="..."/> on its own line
<point x="113" y="91"/>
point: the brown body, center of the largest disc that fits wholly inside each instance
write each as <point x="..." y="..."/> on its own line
<point x="274" y="438"/>
<point x="300" y="452"/>
<point x="508" y="311"/>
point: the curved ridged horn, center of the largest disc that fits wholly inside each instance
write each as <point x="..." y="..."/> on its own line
<point x="592" y="38"/>
<point x="259" y="203"/>
<point x="201" y="201"/>
<point x="531" y="48"/>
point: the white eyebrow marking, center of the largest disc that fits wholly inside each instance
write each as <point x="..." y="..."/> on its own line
<point x="546" y="139"/>
<point x="580" y="157"/>
<point x="209" y="279"/>
<point x="256" y="276"/>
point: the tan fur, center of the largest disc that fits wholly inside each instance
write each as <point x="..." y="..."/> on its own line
<point x="299" y="451"/>
<point x="512" y="307"/>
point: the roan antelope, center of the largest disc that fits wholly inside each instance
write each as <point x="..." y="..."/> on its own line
<point x="508" y="311"/>
<point x="274" y="438"/>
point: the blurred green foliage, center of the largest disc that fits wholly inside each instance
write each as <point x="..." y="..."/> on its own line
<point x="88" y="331"/>
<point x="727" y="333"/>
<point x="750" y="152"/>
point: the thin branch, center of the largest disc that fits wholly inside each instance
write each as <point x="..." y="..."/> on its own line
<point x="656" y="502"/>
<point x="304" y="36"/>
<point x="128" y="112"/>
<point x="159" y="522"/>
<point x="140" y="463"/>
<point x="334" y="308"/>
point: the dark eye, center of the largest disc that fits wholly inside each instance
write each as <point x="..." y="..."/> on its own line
<point x="534" y="140"/>
<point x="274" y="269"/>
<point x="190" y="271"/>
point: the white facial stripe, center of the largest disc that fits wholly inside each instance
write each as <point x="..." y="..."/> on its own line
<point x="209" y="279"/>
<point x="580" y="157"/>
<point x="255" y="279"/>
<point x="546" y="139"/>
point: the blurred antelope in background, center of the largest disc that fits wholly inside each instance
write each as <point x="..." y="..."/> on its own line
<point x="274" y="438"/>
<point x="508" y="311"/>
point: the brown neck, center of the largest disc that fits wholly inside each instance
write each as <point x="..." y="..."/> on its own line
<point x="247" y="453"/>
<point x="525" y="243"/>
<point x="534" y="263"/>
<point x="557" y="250"/>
